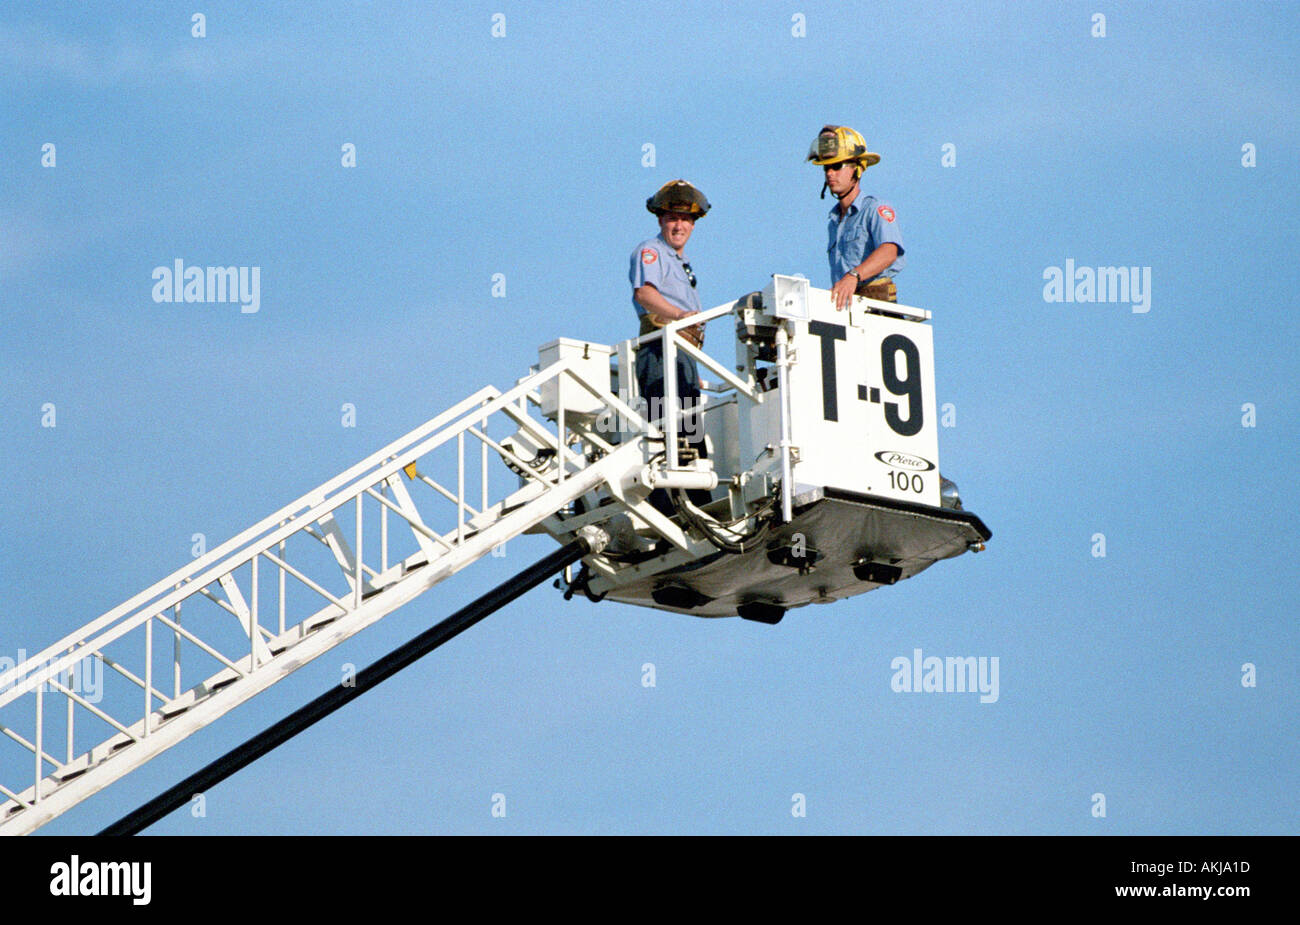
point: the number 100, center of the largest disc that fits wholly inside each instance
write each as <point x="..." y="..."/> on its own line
<point x="902" y="481"/>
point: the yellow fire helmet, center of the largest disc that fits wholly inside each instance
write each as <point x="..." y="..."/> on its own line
<point x="678" y="196"/>
<point x="836" y="143"/>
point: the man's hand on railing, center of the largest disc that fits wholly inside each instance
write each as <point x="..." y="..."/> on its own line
<point x="694" y="334"/>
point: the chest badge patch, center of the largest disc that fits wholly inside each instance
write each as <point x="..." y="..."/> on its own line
<point x="648" y="256"/>
<point x="886" y="213"/>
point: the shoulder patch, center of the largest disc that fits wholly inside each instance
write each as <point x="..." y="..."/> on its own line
<point x="886" y="213"/>
<point x="648" y="255"/>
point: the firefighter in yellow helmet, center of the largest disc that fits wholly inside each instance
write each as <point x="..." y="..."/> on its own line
<point x="866" y="244"/>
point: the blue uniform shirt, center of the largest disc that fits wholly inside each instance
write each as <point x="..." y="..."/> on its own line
<point x="868" y="224"/>
<point x="655" y="262"/>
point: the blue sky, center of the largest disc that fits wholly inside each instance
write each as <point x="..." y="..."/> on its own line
<point x="523" y="155"/>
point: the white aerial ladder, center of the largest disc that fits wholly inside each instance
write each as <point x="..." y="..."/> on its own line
<point x="823" y="482"/>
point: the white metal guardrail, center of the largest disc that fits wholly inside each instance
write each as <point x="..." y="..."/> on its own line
<point x="296" y="584"/>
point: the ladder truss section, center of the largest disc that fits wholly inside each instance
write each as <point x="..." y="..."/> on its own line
<point x="107" y="698"/>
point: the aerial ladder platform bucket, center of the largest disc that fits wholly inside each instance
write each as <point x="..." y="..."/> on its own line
<point x="820" y="481"/>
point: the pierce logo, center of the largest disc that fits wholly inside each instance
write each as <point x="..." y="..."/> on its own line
<point x="905" y="461"/>
<point x="648" y="256"/>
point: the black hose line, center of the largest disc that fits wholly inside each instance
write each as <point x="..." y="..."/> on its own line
<point x="336" y="697"/>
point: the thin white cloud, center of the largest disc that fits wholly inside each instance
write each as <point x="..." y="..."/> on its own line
<point x="25" y="52"/>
